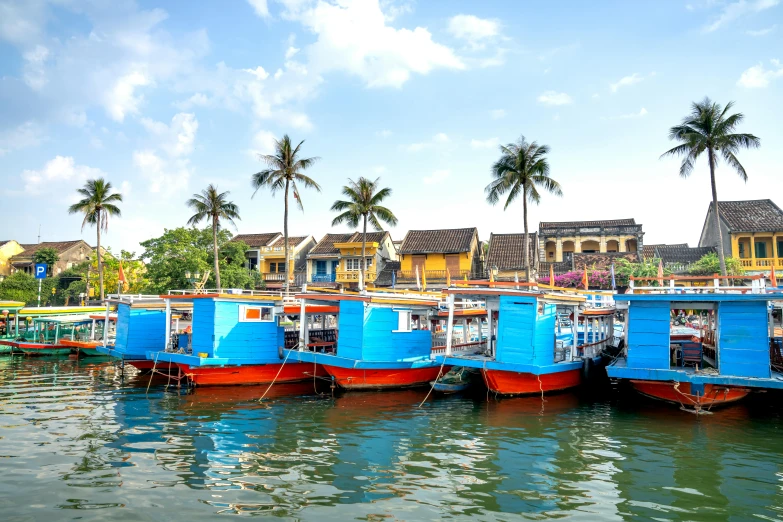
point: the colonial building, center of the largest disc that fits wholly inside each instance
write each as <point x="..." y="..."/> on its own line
<point x="8" y="249"/>
<point x="436" y="252"/>
<point x="752" y="232"/>
<point x="70" y="253"/>
<point x="505" y="258"/>
<point x="558" y="241"/>
<point x="678" y="257"/>
<point x="337" y="258"/>
<point x="266" y="254"/>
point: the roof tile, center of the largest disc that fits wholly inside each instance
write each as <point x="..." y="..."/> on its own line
<point x="759" y="215"/>
<point x="256" y="240"/>
<point x="507" y="251"/>
<point x="438" y="241"/>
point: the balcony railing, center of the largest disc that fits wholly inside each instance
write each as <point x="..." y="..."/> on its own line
<point x="433" y="276"/>
<point x="352" y="276"/>
<point x="762" y="263"/>
<point x="298" y="278"/>
<point x="324" y="278"/>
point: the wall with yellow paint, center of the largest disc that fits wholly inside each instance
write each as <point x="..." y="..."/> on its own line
<point x="7" y="251"/>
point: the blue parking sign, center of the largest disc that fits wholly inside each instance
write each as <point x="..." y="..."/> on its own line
<point x="40" y="270"/>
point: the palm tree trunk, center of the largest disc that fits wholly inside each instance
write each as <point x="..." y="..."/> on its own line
<point x="364" y="247"/>
<point x="285" y="237"/>
<point x="716" y="215"/>
<point x="100" y="258"/>
<point x="215" y="251"/>
<point x="527" y="239"/>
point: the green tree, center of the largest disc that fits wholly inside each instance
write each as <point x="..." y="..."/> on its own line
<point x="521" y="171"/>
<point x="97" y="205"/>
<point x="710" y="128"/>
<point x="647" y="268"/>
<point x="285" y="170"/>
<point x="213" y="205"/>
<point x="48" y="256"/>
<point x="20" y="286"/>
<point x="363" y="203"/>
<point x="232" y="266"/>
<point x="709" y="264"/>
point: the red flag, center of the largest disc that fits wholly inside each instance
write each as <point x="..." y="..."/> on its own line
<point x="584" y="278"/>
<point x="122" y="279"/>
<point x="773" y="278"/>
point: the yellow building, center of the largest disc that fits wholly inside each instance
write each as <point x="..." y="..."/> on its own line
<point x="752" y="232"/>
<point x="8" y="249"/>
<point x="557" y="241"/>
<point x="266" y="254"/>
<point x="435" y="251"/>
<point x="337" y="258"/>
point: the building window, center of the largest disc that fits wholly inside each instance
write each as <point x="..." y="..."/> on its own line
<point x="255" y="314"/>
<point x="780" y="248"/>
<point x="551" y="254"/>
<point x="403" y="321"/>
<point x="355" y="263"/>
<point x="320" y="267"/>
<point x="741" y="249"/>
<point x="761" y="250"/>
<point x="277" y="267"/>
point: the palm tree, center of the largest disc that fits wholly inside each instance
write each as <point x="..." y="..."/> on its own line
<point x="213" y="205"/>
<point x="283" y="173"/>
<point x="521" y="170"/>
<point x="364" y="203"/>
<point x="97" y="205"/>
<point x="709" y="128"/>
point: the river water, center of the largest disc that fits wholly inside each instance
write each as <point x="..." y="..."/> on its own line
<point x="77" y="441"/>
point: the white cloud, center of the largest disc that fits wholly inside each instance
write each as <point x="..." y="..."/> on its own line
<point x="641" y="114"/>
<point x="759" y="77"/>
<point x="761" y="32"/>
<point x="58" y="169"/>
<point x="490" y="143"/>
<point x="258" y="72"/>
<point x="385" y="133"/>
<point x="263" y="143"/>
<point x="440" y="138"/>
<point x="290" y="52"/>
<point x="178" y="138"/>
<point x="417" y="147"/>
<point x="555" y="98"/>
<point x="474" y="30"/>
<point x="738" y="9"/>
<point x="626" y="81"/>
<point x="380" y="169"/>
<point x="34" y="69"/>
<point x="28" y="134"/>
<point x="352" y="36"/>
<point x="260" y="7"/>
<point x="497" y="114"/>
<point x="436" y="177"/>
<point x="162" y="175"/>
<point x="197" y="100"/>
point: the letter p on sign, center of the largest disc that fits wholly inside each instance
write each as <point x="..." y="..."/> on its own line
<point x="40" y="270"/>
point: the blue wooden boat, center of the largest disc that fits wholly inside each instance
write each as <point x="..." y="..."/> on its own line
<point x="385" y="340"/>
<point x="522" y="355"/>
<point x="732" y="355"/>
<point x="141" y="327"/>
<point x="235" y="339"/>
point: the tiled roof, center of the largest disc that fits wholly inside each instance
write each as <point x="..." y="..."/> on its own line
<point x="507" y="251"/>
<point x="601" y="261"/>
<point x="438" y="241"/>
<point x="372" y="237"/>
<point x="256" y="240"/>
<point x="759" y="215"/>
<point x="325" y="247"/>
<point x="679" y="253"/>
<point x="59" y="246"/>
<point x="385" y="277"/>
<point x="292" y="241"/>
<point x="577" y="224"/>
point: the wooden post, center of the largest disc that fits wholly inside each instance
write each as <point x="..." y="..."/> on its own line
<point x="575" y="330"/>
<point x="490" y="326"/>
<point x="450" y="324"/>
<point x="168" y="325"/>
<point x="92" y="330"/>
<point x="302" y="325"/>
<point x="465" y="331"/>
<point x="106" y="325"/>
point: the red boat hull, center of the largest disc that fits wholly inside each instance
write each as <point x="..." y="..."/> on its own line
<point x="680" y="393"/>
<point x="250" y="374"/>
<point x="513" y="383"/>
<point x="380" y="378"/>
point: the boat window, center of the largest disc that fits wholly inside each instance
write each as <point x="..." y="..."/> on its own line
<point x="403" y="321"/>
<point x="255" y="314"/>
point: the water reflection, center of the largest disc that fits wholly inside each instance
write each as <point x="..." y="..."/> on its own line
<point x="76" y="434"/>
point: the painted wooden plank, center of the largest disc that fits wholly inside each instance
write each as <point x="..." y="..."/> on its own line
<point x="351" y="326"/>
<point x="744" y="370"/>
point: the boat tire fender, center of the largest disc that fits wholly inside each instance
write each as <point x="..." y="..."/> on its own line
<point x="587" y="369"/>
<point x="280" y="352"/>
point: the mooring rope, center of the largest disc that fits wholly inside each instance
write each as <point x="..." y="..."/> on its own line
<point x="440" y="371"/>
<point x="152" y="373"/>
<point x="276" y="376"/>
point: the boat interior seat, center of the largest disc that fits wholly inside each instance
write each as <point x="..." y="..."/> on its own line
<point x="692" y="354"/>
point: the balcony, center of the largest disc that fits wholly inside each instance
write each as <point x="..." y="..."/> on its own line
<point x="759" y="263"/>
<point x="352" y="276"/>
<point x="433" y="276"/>
<point x="297" y="279"/>
<point x="324" y="278"/>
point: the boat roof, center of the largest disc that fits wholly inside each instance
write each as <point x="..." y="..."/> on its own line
<point x="550" y="297"/>
<point x="11" y="306"/>
<point x="34" y="311"/>
<point x="249" y="297"/>
<point x="65" y="319"/>
<point x="375" y="298"/>
<point x="694" y="297"/>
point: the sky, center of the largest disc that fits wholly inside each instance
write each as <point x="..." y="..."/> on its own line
<point x="164" y="98"/>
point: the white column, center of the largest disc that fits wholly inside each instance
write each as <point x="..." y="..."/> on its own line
<point x="450" y="324"/>
<point x="302" y="325"/>
<point x="575" y="330"/>
<point x="490" y="345"/>
<point x="465" y="331"/>
<point x="105" y="329"/>
<point x="168" y="324"/>
<point x="92" y="330"/>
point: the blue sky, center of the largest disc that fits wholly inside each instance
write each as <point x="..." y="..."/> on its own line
<point x="162" y="98"/>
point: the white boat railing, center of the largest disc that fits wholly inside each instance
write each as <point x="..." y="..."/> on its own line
<point x="669" y="286"/>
